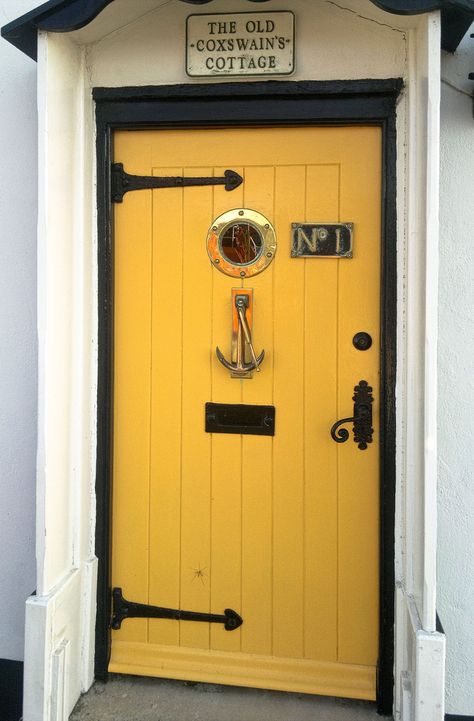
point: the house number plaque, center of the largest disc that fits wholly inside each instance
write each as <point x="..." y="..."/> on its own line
<point x="323" y="240"/>
<point x="240" y="44"/>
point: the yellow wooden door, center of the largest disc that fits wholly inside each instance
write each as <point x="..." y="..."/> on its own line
<point x="283" y="529"/>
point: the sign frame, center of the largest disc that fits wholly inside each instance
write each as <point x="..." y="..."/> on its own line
<point x="225" y="74"/>
<point x="332" y="236"/>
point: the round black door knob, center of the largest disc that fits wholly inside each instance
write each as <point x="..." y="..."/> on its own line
<point x="362" y="341"/>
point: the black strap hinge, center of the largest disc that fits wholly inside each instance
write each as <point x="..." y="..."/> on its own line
<point x="122" y="182"/>
<point x="123" y="609"/>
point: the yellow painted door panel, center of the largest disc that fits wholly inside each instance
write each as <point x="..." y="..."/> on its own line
<point x="283" y="529"/>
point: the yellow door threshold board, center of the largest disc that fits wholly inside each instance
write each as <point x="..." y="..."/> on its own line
<point x="297" y="675"/>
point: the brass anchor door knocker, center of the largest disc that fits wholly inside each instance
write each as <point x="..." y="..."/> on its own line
<point x="242" y="313"/>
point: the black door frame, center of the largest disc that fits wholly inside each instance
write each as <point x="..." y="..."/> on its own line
<point x="251" y="104"/>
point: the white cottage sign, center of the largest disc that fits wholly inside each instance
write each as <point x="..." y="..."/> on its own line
<point x="240" y="44"/>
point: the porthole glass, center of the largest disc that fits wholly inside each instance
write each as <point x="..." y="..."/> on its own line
<point x="241" y="243"/>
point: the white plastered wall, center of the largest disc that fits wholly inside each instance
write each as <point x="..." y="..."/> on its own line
<point x="330" y="39"/>
<point x="334" y="41"/>
<point x="456" y="385"/>
<point x="18" y="378"/>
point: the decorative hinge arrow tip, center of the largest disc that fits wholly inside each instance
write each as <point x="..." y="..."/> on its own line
<point x="232" y="620"/>
<point x="233" y="180"/>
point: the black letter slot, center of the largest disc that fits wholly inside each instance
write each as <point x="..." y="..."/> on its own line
<point x="237" y="418"/>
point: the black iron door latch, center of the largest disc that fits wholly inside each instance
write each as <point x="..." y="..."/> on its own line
<point x="123" y="182"/>
<point x="123" y="609"/>
<point x="362" y="418"/>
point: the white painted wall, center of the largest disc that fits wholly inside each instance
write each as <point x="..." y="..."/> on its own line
<point x="151" y="49"/>
<point x="456" y="378"/>
<point x="18" y="348"/>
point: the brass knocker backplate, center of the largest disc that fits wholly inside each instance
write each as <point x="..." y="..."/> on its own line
<point x="240" y="364"/>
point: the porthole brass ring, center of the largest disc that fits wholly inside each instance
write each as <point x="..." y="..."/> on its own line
<point x="241" y="243"/>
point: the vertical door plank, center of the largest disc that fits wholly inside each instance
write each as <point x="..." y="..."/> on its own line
<point x="257" y="450"/>
<point x="359" y="310"/>
<point x="226" y="536"/>
<point x="132" y="318"/>
<point x="165" y="447"/>
<point x="320" y="374"/>
<point x="196" y="446"/>
<point x="288" y="470"/>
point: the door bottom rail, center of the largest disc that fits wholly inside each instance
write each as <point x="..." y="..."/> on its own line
<point x="123" y="609"/>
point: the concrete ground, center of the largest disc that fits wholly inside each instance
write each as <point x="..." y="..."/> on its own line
<point x="130" y="698"/>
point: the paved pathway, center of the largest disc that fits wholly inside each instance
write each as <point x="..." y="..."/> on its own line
<point x="128" y="698"/>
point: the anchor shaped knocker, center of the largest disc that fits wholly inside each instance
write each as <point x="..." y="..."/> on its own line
<point x="242" y="302"/>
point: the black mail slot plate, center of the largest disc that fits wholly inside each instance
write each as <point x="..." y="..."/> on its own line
<point x="239" y="418"/>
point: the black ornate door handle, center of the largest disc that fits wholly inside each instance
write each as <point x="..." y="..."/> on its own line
<point x="362" y="418"/>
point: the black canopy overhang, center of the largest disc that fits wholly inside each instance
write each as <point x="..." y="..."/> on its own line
<point x="66" y="15"/>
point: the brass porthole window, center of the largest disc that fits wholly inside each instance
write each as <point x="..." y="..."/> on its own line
<point x="241" y="243"/>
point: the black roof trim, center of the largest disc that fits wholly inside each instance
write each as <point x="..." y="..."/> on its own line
<point x="59" y="16"/>
<point x="62" y="16"/>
